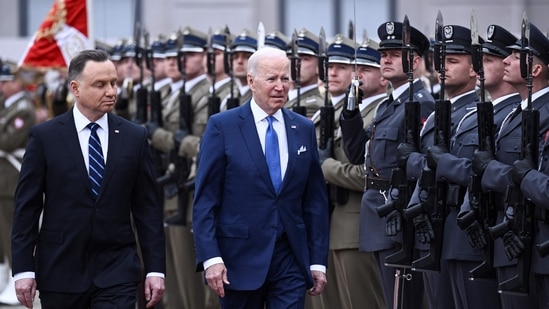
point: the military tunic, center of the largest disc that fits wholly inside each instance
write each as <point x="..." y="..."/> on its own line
<point x="17" y="115"/>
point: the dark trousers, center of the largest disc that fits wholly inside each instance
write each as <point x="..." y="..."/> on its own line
<point x="471" y="294"/>
<point x="542" y="287"/>
<point x="438" y="290"/>
<point x="284" y="287"/>
<point x="509" y="301"/>
<point x="116" y="297"/>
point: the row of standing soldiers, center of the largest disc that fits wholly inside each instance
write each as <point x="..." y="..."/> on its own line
<point x="422" y="191"/>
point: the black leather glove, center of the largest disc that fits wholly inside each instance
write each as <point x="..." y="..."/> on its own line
<point x="326" y="153"/>
<point x="481" y="158"/>
<point x="404" y="150"/>
<point x="394" y="223"/>
<point x="522" y="167"/>
<point x="512" y="244"/>
<point x="179" y="135"/>
<point x="476" y="235"/>
<point x="424" y="229"/>
<point x="151" y="127"/>
<point x="434" y="153"/>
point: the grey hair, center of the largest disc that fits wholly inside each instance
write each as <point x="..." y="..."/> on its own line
<point x="262" y="54"/>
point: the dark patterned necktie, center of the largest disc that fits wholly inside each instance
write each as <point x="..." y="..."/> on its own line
<point x="96" y="159"/>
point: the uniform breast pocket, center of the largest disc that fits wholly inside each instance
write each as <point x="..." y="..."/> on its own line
<point x="387" y="139"/>
<point x="511" y="148"/>
<point x="467" y="145"/>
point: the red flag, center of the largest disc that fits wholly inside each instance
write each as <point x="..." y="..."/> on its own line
<point x="62" y="34"/>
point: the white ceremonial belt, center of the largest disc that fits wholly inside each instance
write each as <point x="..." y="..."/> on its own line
<point x="13" y="157"/>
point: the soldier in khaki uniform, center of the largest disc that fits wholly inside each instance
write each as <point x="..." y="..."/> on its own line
<point x="244" y="45"/>
<point x="184" y="288"/>
<point x="309" y="93"/>
<point x="355" y="280"/>
<point x="277" y="39"/>
<point x="17" y="115"/>
<point x="133" y="75"/>
<point x="162" y="81"/>
<point x="223" y="83"/>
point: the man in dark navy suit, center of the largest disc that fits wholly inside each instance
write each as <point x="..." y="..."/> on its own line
<point x="261" y="235"/>
<point x="83" y="253"/>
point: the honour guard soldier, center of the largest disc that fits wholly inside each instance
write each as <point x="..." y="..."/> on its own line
<point x="308" y="88"/>
<point x="507" y="168"/>
<point x="244" y="45"/>
<point x="17" y="115"/>
<point x="504" y="99"/>
<point x="130" y="66"/>
<point x="278" y="40"/>
<point x="452" y="165"/>
<point x="373" y="85"/>
<point x="356" y="280"/>
<point x="219" y="78"/>
<point x="162" y="81"/>
<point x="183" y="289"/>
<point x="373" y="148"/>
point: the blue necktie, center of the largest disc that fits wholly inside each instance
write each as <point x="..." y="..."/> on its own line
<point x="272" y="154"/>
<point x="96" y="160"/>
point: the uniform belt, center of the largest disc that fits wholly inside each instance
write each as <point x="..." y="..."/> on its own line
<point x="377" y="183"/>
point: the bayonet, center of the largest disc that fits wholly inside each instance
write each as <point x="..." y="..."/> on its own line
<point x="351" y="30"/>
<point x="295" y="73"/>
<point x="439" y="37"/>
<point x="322" y="55"/>
<point x="408" y="56"/>
<point x="525" y="46"/>
<point x="474" y="28"/>
<point x="476" y="54"/>
<point x="260" y="35"/>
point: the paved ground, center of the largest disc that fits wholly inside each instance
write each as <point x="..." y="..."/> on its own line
<point x="36" y="306"/>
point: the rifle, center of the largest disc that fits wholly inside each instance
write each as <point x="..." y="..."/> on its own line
<point x="326" y="111"/>
<point x="232" y="101"/>
<point x="296" y="75"/>
<point x="483" y="208"/>
<point x="523" y="220"/>
<point x="141" y="110"/>
<point x="214" y="102"/>
<point x="435" y="204"/>
<point x="404" y="257"/>
<point x="142" y="92"/>
<point x="179" y="168"/>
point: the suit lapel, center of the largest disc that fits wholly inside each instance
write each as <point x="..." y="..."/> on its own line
<point x="249" y="133"/>
<point x="292" y="136"/>
<point x="116" y="143"/>
<point x="67" y="131"/>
